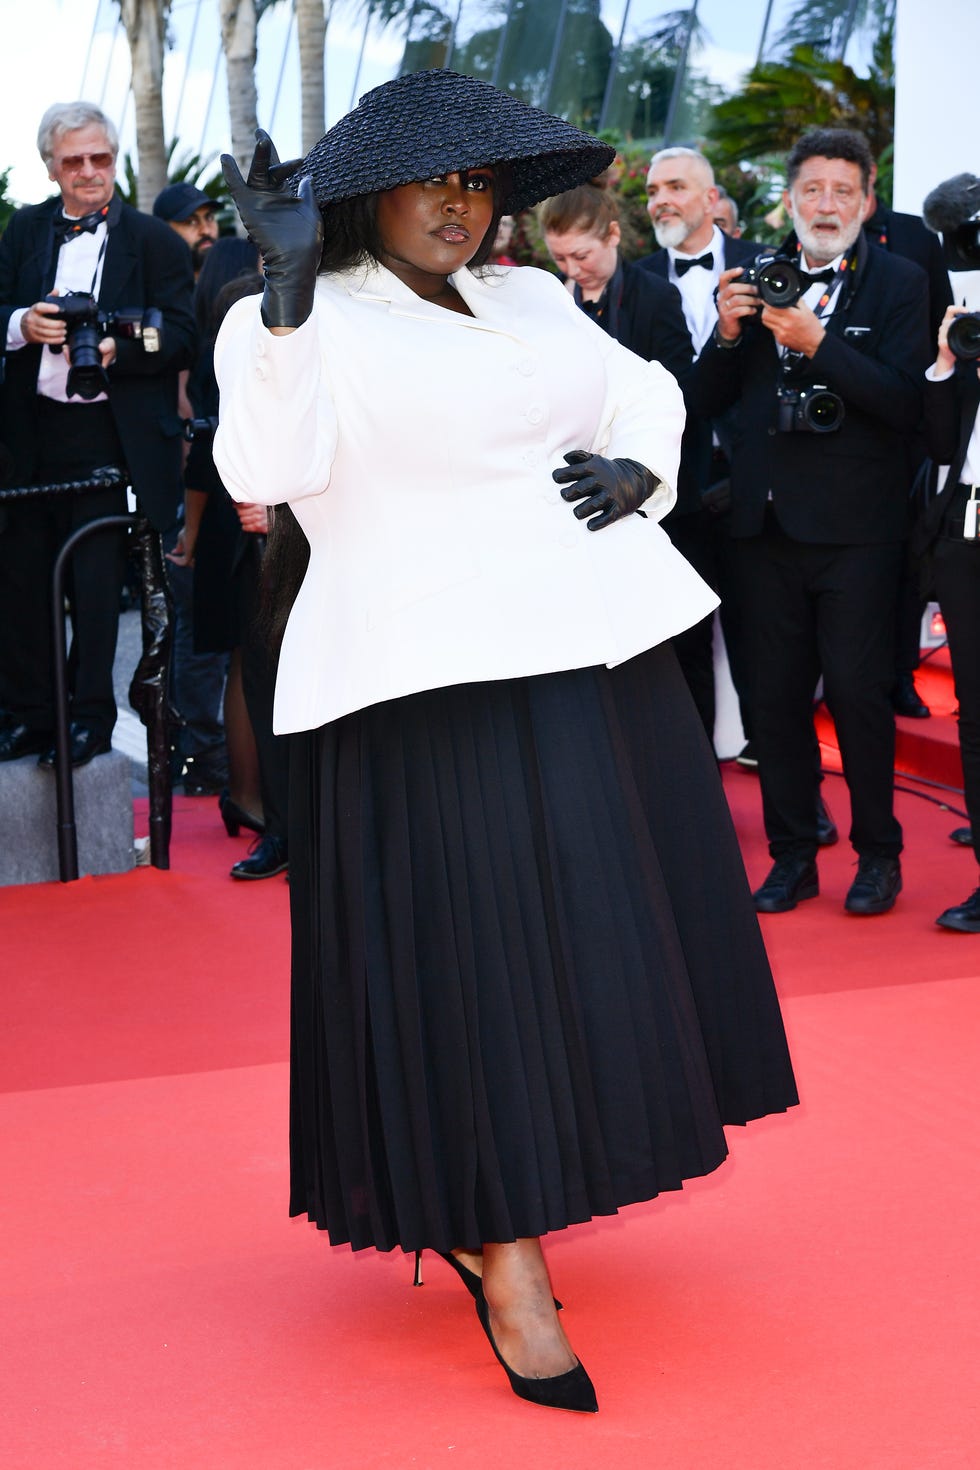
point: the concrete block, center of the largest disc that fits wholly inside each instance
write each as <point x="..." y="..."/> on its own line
<point x="28" y="819"/>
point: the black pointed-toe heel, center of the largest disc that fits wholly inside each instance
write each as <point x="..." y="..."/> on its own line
<point x="235" y="817"/>
<point x="571" y="1390"/>
<point x="469" y="1278"/>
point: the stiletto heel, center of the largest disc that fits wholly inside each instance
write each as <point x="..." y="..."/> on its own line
<point x="571" y="1390"/>
<point x="469" y="1278"/>
<point x="235" y="817"/>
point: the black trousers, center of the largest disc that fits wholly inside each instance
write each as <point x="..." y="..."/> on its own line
<point x="812" y="609"/>
<point x="956" y="568"/>
<point x="73" y="440"/>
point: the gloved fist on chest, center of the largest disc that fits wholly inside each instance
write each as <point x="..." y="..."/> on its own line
<point x="608" y="489"/>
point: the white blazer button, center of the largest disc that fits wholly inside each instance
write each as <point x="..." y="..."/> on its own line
<point x="535" y="414"/>
<point x="526" y="367"/>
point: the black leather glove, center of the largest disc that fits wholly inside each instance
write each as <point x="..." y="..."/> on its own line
<point x="608" y="488"/>
<point x="286" y="228"/>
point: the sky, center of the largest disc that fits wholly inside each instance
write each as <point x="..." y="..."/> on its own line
<point x="51" y="55"/>
<point x="54" y="52"/>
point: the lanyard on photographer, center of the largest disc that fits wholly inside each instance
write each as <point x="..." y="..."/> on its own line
<point x="789" y="357"/>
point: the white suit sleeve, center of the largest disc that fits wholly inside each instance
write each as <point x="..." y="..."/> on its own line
<point x="277" y="429"/>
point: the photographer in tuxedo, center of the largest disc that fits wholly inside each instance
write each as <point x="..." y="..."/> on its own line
<point x="64" y="420"/>
<point x="828" y="386"/>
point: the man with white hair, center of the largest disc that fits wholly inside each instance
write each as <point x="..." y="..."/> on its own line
<point x="682" y="199"/>
<point x="61" y="426"/>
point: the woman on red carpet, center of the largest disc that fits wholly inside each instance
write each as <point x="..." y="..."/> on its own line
<point x="951" y="402"/>
<point x="528" y="983"/>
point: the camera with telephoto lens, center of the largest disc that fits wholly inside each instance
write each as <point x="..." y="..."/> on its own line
<point x="810" y="410"/>
<point x="86" y="325"/>
<point x="963" y="337"/>
<point x="779" y="280"/>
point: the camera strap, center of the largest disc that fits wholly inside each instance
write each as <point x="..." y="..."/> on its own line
<point x="824" y="306"/>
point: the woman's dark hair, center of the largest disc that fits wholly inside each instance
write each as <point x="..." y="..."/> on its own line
<point x="227" y="259"/>
<point x="350" y="237"/>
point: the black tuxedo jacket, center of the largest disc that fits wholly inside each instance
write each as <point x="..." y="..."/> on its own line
<point x="146" y="264"/>
<point x="696" y="472"/>
<point x="651" y="322"/>
<point x="847" y="487"/>
<point x="951" y="408"/>
<point x="907" y="236"/>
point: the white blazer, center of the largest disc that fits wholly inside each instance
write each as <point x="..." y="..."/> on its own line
<point x="415" y="446"/>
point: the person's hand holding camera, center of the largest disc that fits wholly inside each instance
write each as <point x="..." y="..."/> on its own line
<point x="735" y="300"/>
<point x="945" y="357"/>
<point x="42" y="323"/>
<point x="287" y="230"/>
<point x="608" y="489"/>
<point x="796" y="327"/>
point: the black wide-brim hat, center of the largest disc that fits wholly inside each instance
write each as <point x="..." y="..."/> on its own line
<point x="436" y="122"/>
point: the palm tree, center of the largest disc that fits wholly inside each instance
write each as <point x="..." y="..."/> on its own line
<point x="145" y="23"/>
<point x="311" y="35"/>
<point x="780" y="100"/>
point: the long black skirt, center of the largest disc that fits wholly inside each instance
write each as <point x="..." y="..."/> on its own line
<point x="528" y="981"/>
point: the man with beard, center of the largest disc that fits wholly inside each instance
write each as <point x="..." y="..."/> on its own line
<point x="682" y="199"/>
<point x="818" y="518"/>
<point x="192" y="214"/>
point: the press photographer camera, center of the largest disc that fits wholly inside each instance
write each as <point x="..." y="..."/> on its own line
<point x="963" y="337"/>
<point x="779" y="280"/>
<point x="814" y="409"/>
<point x="195" y="427"/>
<point x="86" y="325"/>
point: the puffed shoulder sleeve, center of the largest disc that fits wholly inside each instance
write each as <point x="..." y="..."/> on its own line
<point x="642" y="415"/>
<point x="277" y="428"/>
<point x="643" y="418"/>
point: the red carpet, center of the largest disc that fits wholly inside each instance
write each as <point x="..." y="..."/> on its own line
<point x="812" y="1304"/>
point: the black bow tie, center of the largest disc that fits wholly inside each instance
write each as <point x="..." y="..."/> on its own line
<point x="823" y="277"/>
<point x="70" y="229"/>
<point x="683" y="266"/>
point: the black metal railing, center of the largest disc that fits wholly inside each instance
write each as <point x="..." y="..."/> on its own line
<point x="149" y="688"/>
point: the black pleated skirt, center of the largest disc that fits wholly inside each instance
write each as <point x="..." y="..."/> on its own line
<point x="528" y="981"/>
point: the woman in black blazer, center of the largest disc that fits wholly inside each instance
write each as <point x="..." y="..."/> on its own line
<point x="583" y="235"/>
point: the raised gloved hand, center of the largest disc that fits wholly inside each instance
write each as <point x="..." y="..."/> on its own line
<point x="286" y="228"/>
<point x="608" y="488"/>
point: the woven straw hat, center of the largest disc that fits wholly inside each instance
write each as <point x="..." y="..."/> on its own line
<point x="435" y="122"/>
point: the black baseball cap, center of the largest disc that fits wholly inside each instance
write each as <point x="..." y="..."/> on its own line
<point x="179" y="201"/>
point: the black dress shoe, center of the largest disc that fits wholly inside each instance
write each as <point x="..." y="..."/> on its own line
<point x="876" y="887"/>
<point x="747" y="757"/>
<point x="963" y="916"/>
<point x="906" y="701"/>
<point x="827" y="833"/>
<point x="790" y="880"/>
<point x="267" y="857"/>
<point x="83" y="745"/>
<point x="963" y="836"/>
<point x="18" y="740"/>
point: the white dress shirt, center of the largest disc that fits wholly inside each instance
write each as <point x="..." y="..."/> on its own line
<point x="697" y="287"/>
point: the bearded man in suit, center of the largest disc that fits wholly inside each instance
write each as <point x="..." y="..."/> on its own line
<point x="85" y="241"/>
<point x="819" y="508"/>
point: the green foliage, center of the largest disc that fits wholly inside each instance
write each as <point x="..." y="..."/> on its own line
<point x="7" y="205"/>
<point x="192" y="168"/>
<point x="750" y="133"/>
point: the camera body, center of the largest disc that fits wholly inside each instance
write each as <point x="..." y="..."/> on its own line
<point x="779" y="280"/>
<point x="963" y="336"/>
<point x="195" y="428"/>
<point x="86" y="325"/>
<point x="813" y="409"/>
